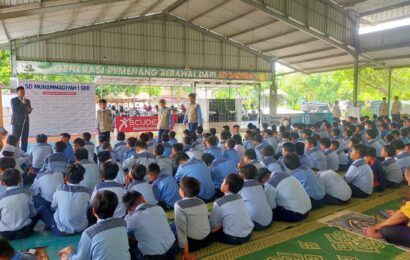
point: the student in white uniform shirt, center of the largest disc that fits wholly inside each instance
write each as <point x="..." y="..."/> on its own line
<point x="135" y="182"/>
<point x="109" y="171"/>
<point x="337" y="190"/>
<point x="392" y="168"/>
<point x="191" y="151"/>
<point x="255" y="199"/>
<point x="6" y="163"/>
<point x="148" y="226"/>
<point x="50" y="177"/>
<point x="286" y="196"/>
<point x="332" y="158"/>
<point x="106" y="156"/>
<point x="402" y="157"/>
<point x="120" y="147"/>
<point x="92" y="173"/>
<point x="18" y="216"/>
<point x="249" y="157"/>
<point x="269" y="160"/>
<point x="105" y="240"/>
<point x="89" y="146"/>
<point x="343" y="160"/>
<point x="165" y="163"/>
<point x="68" y="212"/>
<point x="39" y="152"/>
<point x="359" y="176"/>
<point x="239" y="146"/>
<point x="230" y="220"/>
<point x="143" y="156"/>
<point x="191" y="218"/>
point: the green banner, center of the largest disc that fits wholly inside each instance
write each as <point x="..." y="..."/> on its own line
<point x="36" y="67"/>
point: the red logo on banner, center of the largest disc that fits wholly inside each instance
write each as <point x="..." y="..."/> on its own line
<point x="139" y="123"/>
<point x="136" y="123"/>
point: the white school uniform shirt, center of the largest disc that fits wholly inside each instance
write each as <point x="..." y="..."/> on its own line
<point x="393" y="170"/>
<point x="145" y="189"/>
<point x="256" y="202"/>
<point x="165" y="164"/>
<point x="230" y="212"/>
<point x="335" y="185"/>
<point x="115" y="187"/>
<point x="191" y="220"/>
<point x="403" y="158"/>
<point x="38" y="153"/>
<point x="194" y="153"/>
<point x="71" y="202"/>
<point x="149" y="224"/>
<point x="240" y="149"/>
<point x="360" y="175"/>
<point x="46" y="184"/>
<point x="145" y="158"/>
<point x="120" y="148"/>
<point x="332" y="160"/>
<point x="105" y="240"/>
<point x="90" y="147"/>
<point x="286" y="191"/>
<point x="342" y="157"/>
<point x="16" y="209"/>
<point x="92" y="174"/>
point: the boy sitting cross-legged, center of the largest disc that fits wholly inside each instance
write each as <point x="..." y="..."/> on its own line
<point x="148" y="225"/>
<point x="109" y="171"/>
<point x="105" y="240"/>
<point x="255" y="198"/>
<point x="191" y="217"/>
<point x="68" y="212"/>
<point x="136" y="181"/>
<point x="164" y="186"/>
<point x="17" y="214"/>
<point x="230" y="221"/>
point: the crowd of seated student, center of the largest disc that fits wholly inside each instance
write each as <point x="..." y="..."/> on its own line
<point x="105" y="192"/>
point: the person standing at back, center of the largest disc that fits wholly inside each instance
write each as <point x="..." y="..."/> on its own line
<point x="104" y="120"/>
<point x="193" y="115"/>
<point x="337" y="114"/>
<point x="20" y="121"/>
<point x="164" y="119"/>
<point x="395" y="109"/>
<point x="383" y="108"/>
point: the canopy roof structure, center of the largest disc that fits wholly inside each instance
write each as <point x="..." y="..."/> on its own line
<point x="373" y="12"/>
<point x="306" y="35"/>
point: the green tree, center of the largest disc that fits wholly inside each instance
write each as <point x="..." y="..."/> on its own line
<point x="5" y="69"/>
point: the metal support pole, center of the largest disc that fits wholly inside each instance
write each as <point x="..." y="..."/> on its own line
<point x="356" y="63"/>
<point x="356" y="78"/>
<point x="273" y="93"/>
<point x="389" y="91"/>
<point x="259" y="105"/>
<point x="1" y="108"/>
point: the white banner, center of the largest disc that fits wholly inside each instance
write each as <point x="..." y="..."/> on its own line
<point x="60" y="107"/>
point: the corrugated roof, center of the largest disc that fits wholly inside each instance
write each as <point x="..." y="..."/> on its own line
<point x="254" y="24"/>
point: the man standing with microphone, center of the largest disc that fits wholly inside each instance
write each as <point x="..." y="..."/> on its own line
<point x="21" y="108"/>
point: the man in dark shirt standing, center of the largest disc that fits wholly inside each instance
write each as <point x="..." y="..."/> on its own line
<point x="21" y="108"/>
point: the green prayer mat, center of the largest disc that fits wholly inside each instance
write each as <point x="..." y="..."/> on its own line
<point x="328" y="243"/>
